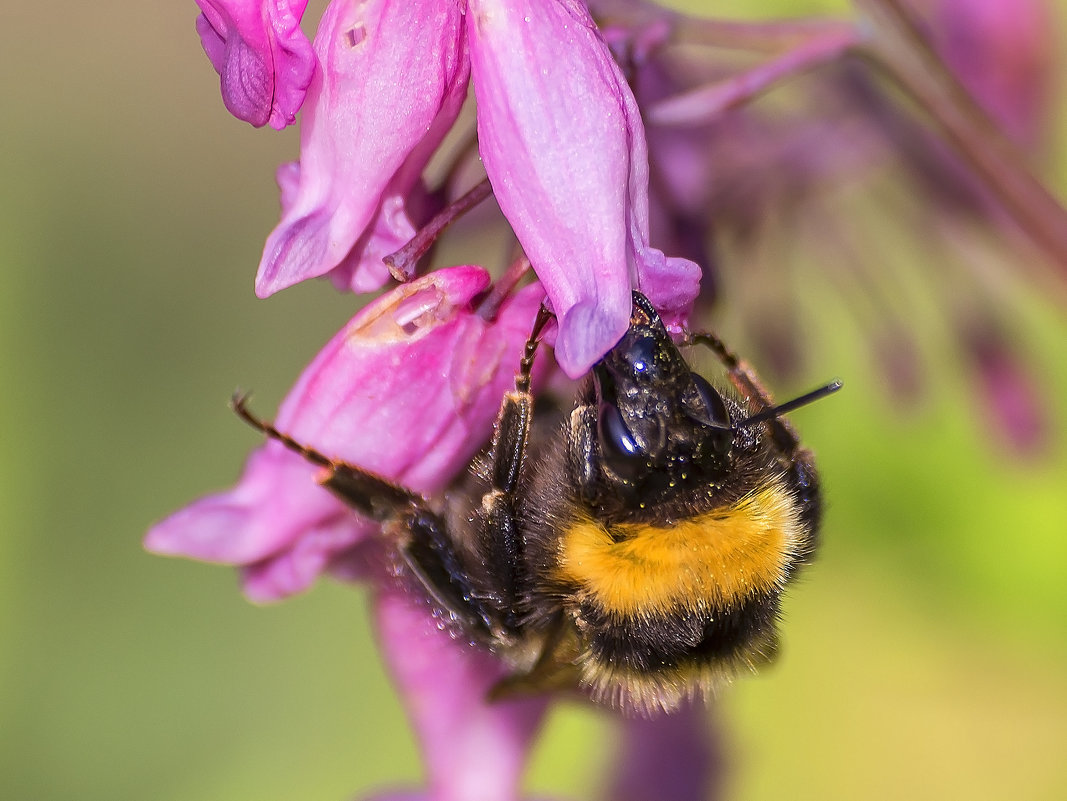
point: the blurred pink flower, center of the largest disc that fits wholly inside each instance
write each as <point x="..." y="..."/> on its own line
<point x="1007" y="391"/>
<point x="669" y="758"/>
<point x="1004" y="52"/>
<point x="472" y="750"/>
<point x="408" y="389"/>
<point x="262" y="57"/>
<point x="760" y="192"/>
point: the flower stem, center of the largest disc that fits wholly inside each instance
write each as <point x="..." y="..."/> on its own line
<point x="705" y="103"/>
<point x="766" y="37"/>
<point x="897" y="44"/>
<point x="769" y="37"/>
<point x="503" y="287"/>
<point x="402" y="263"/>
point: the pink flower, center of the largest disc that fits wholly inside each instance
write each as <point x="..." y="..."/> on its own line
<point x="564" y="147"/>
<point x="472" y="750"/>
<point x="669" y="758"/>
<point x="560" y="135"/>
<point x="393" y="77"/>
<point x="263" y="58"/>
<point x="1006" y="390"/>
<point x="408" y="389"/>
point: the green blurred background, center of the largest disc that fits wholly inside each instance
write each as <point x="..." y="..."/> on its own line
<point x="925" y="655"/>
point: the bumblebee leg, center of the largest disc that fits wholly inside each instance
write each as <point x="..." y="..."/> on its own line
<point x="369" y="494"/>
<point x="430" y="556"/>
<point x="582" y="450"/>
<point x="554" y="670"/>
<point x="502" y="539"/>
<point x="423" y="541"/>
<point x="744" y="378"/>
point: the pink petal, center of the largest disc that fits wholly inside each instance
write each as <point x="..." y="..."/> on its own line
<point x="295" y="568"/>
<point x="254" y="519"/>
<point x="1007" y="391"/>
<point x="670" y="758"/>
<point x="563" y="145"/>
<point x="364" y="269"/>
<point x="263" y="58"/>
<point x="473" y="750"/>
<point x="409" y="389"/>
<point x="393" y="77"/>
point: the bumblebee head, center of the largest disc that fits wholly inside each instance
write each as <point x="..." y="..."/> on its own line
<point x="660" y="427"/>
<point x="658" y="422"/>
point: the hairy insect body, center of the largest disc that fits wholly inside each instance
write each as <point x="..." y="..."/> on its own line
<point x="666" y="597"/>
<point x="634" y="549"/>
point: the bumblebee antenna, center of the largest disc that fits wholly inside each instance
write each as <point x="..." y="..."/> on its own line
<point x="239" y="404"/>
<point x="788" y="406"/>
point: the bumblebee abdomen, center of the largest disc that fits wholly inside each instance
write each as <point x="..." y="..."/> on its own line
<point x="718" y="558"/>
<point x="668" y="609"/>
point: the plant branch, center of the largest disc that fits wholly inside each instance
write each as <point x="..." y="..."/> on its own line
<point x="402" y="263"/>
<point x="898" y="45"/>
<point x="765" y="37"/>
<point x="703" y="104"/>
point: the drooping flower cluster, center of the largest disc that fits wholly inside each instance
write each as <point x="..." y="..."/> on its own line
<point x="392" y="77"/>
<point x="561" y="92"/>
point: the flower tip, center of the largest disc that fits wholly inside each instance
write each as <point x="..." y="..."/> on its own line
<point x="202" y="531"/>
<point x="264" y="61"/>
<point x="294" y="252"/>
<point x="588" y="330"/>
<point x="671" y="284"/>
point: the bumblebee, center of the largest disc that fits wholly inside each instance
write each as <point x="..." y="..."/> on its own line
<point x="636" y="548"/>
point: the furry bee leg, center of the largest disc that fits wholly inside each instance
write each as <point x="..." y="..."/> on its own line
<point x="422" y="540"/>
<point x="503" y="543"/>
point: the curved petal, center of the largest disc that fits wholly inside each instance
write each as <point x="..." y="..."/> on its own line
<point x="254" y="519"/>
<point x="263" y="59"/>
<point x="563" y="145"/>
<point x="473" y="750"/>
<point x="393" y="77"/>
<point x="309" y="555"/>
<point x="670" y="758"/>
<point x="408" y="389"/>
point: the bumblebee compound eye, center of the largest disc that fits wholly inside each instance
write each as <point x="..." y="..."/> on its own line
<point x="642" y="357"/>
<point x="704" y="405"/>
<point x="619" y="451"/>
